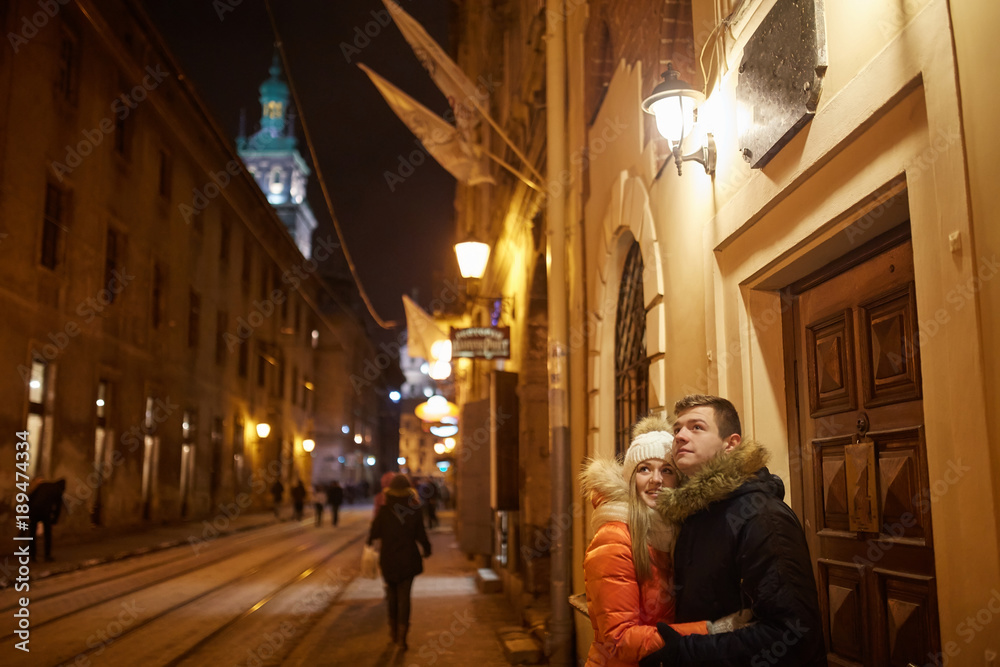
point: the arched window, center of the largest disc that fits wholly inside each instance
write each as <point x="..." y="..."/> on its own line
<point x="631" y="363"/>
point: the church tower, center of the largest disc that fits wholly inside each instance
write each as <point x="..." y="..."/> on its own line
<point x="273" y="158"/>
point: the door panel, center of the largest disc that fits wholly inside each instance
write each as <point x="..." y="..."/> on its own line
<point x="864" y="474"/>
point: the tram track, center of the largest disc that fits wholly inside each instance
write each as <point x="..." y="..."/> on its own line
<point x="144" y="568"/>
<point x="77" y="624"/>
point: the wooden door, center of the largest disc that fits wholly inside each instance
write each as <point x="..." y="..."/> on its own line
<point x="866" y="497"/>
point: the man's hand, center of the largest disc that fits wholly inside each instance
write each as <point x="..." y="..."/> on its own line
<point x="668" y="655"/>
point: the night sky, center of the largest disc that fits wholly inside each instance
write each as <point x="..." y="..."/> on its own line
<point x="398" y="237"/>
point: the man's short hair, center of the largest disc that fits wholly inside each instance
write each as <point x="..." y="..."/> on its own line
<point x="726" y="416"/>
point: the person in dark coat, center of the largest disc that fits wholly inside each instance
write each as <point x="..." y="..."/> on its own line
<point x="335" y="496"/>
<point x="427" y="490"/>
<point x="399" y="524"/>
<point x="277" y="492"/>
<point x="298" y="499"/>
<point x="739" y="545"/>
<point x="319" y="500"/>
<point x="45" y="504"/>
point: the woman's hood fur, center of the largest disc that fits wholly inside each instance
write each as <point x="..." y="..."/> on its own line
<point x="602" y="482"/>
<point x="717" y="479"/>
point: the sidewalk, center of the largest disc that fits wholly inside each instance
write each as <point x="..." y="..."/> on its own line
<point x="451" y="622"/>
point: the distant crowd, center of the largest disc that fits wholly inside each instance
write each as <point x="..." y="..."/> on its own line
<point x="432" y="494"/>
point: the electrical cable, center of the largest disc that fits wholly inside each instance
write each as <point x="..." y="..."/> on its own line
<point x="319" y="173"/>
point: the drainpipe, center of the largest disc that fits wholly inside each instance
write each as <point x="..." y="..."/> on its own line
<point x="560" y="647"/>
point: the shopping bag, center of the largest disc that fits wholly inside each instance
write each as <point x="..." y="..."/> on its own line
<point x="369" y="562"/>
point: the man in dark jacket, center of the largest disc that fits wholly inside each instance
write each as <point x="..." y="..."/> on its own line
<point x="45" y="504"/>
<point x="335" y="496"/>
<point x="739" y="547"/>
<point x="277" y="493"/>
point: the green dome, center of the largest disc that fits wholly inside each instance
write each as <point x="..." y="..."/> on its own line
<point x="274" y="88"/>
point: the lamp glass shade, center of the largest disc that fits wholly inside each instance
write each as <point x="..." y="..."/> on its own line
<point x="441" y="349"/>
<point x="472" y="258"/>
<point x="435" y="409"/>
<point x="443" y="430"/>
<point x="440" y="370"/>
<point x="674" y="117"/>
<point x="263" y="430"/>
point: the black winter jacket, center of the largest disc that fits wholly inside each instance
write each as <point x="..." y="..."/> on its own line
<point x="400" y="525"/>
<point x="741" y="547"/>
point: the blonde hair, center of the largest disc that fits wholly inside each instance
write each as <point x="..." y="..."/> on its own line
<point x="639" y="523"/>
<point x="639" y="515"/>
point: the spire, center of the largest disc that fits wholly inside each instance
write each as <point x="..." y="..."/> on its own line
<point x="274" y="101"/>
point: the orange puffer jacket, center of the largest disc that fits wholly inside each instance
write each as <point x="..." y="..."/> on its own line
<point x="622" y="611"/>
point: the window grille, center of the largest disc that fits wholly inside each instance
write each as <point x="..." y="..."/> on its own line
<point x="631" y="362"/>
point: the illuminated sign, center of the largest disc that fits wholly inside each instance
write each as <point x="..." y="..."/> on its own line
<point x="481" y="343"/>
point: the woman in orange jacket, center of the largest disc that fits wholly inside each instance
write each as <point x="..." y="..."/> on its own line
<point x="628" y="567"/>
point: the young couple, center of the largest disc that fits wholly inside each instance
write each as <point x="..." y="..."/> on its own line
<point x="696" y="559"/>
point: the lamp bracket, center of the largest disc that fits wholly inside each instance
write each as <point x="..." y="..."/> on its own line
<point x="705" y="155"/>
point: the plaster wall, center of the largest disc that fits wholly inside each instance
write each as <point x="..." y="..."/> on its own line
<point x="975" y="49"/>
<point x="889" y="133"/>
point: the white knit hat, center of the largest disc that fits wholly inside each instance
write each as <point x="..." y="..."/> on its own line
<point x="648" y="445"/>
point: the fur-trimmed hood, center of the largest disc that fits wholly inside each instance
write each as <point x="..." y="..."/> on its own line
<point x="602" y="482"/>
<point x="719" y="478"/>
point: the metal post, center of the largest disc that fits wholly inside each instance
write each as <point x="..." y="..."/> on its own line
<point x="557" y="162"/>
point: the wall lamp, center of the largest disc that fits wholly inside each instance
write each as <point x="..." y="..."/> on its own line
<point x="263" y="430"/>
<point x="674" y="103"/>
<point x="472" y="258"/>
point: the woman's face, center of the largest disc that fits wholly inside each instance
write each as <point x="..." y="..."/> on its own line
<point x="652" y="475"/>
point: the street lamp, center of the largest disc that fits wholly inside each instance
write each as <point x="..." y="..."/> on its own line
<point x="674" y="103"/>
<point x="263" y="430"/>
<point x="435" y="408"/>
<point x="308" y="445"/>
<point x="472" y="258"/>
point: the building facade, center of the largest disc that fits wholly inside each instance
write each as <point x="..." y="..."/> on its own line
<point x="162" y="310"/>
<point x="833" y="277"/>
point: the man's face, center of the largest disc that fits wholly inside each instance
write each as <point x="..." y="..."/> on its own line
<point x="697" y="439"/>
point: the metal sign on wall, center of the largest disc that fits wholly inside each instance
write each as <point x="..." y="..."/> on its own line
<point x="781" y="78"/>
<point x="481" y="343"/>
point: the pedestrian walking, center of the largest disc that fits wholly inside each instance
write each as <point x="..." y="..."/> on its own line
<point x="401" y="528"/>
<point x="298" y="499"/>
<point x="335" y="496"/>
<point x="319" y="500"/>
<point x="428" y="496"/>
<point x="277" y="493"/>
<point x="44" y="506"/>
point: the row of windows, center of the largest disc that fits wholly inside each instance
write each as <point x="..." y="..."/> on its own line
<point x="41" y="397"/>
<point x="54" y="230"/>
